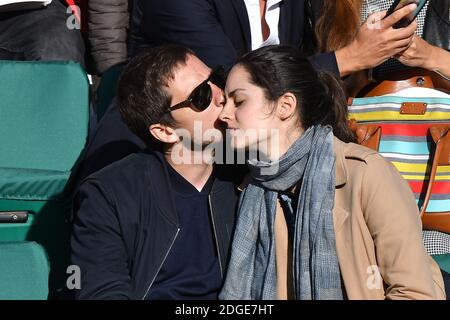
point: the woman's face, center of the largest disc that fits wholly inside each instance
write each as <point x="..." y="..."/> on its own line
<point x="249" y="116"/>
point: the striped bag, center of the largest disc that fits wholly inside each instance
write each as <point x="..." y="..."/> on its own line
<point x="401" y="127"/>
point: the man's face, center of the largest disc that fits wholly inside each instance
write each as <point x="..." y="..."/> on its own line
<point x="201" y="126"/>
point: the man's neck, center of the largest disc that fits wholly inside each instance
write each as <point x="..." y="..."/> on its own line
<point x="195" y="173"/>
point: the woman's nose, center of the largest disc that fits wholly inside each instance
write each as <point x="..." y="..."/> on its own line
<point x="226" y="115"/>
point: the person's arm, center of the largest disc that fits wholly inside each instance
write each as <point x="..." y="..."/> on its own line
<point x="107" y="32"/>
<point x="326" y="62"/>
<point x="393" y="220"/>
<point x="376" y="41"/>
<point x="424" y="55"/>
<point x="97" y="246"/>
<point x="190" y="23"/>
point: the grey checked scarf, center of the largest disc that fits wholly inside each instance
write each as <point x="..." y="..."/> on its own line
<point x="252" y="269"/>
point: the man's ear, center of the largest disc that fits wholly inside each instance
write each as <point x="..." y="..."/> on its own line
<point x="286" y="106"/>
<point x="164" y="133"/>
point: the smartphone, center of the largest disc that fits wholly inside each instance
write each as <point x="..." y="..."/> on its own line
<point x="398" y="4"/>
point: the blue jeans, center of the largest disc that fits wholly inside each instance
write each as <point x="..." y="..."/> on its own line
<point x="40" y="34"/>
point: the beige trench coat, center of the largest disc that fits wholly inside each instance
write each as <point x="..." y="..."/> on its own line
<point x="378" y="233"/>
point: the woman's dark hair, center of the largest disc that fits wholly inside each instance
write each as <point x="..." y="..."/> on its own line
<point x="320" y="97"/>
<point x="142" y="96"/>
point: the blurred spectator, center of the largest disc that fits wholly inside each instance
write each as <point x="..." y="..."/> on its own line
<point x="108" y="28"/>
<point x="48" y="33"/>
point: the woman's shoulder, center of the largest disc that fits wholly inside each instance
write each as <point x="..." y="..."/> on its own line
<point x="366" y="170"/>
<point x="353" y="151"/>
<point x="354" y="157"/>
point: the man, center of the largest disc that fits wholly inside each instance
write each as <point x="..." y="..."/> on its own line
<point x="151" y="226"/>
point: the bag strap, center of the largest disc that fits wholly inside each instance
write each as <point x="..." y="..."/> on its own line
<point x="359" y="84"/>
<point x="437" y="221"/>
<point x="368" y="135"/>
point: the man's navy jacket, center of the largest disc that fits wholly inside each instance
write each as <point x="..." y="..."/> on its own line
<point x="125" y="224"/>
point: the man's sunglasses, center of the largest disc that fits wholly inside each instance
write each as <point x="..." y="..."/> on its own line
<point x="201" y="96"/>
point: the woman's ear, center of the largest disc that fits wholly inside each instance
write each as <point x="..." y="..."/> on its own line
<point x="287" y="105"/>
<point x="164" y="133"/>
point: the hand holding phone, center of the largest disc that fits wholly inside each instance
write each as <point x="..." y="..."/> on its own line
<point x="406" y="21"/>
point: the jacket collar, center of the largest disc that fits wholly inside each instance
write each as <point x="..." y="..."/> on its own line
<point x="341" y="168"/>
<point x="241" y="12"/>
<point x="160" y="176"/>
<point x="344" y="151"/>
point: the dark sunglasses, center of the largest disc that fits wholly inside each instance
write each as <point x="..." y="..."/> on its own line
<point x="201" y="96"/>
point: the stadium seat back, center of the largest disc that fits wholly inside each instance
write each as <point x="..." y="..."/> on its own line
<point x="44" y="112"/>
<point x="24" y="271"/>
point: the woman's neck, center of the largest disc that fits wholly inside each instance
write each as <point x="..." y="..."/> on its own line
<point x="279" y="143"/>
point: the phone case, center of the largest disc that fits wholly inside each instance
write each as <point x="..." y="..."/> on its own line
<point x="398" y="4"/>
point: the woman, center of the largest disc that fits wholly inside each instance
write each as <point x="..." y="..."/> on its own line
<point x="322" y="218"/>
<point x="428" y="49"/>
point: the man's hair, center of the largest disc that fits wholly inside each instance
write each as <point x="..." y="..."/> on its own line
<point x="142" y="95"/>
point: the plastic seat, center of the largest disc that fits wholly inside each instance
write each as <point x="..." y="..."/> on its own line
<point x="44" y="112"/>
<point x="24" y="271"/>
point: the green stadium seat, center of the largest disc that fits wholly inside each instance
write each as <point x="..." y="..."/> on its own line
<point x="44" y="112"/>
<point x="443" y="260"/>
<point x="24" y="271"/>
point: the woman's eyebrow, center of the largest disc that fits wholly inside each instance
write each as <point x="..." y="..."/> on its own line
<point x="233" y="93"/>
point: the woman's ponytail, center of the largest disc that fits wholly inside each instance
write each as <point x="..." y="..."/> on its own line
<point x="335" y="100"/>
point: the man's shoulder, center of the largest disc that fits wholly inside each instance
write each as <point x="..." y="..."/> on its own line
<point x="132" y="171"/>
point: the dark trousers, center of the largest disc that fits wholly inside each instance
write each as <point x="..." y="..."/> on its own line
<point x="40" y="34"/>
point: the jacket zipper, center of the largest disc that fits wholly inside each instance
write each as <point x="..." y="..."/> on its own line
<point x="215" y="236"/>
<point x="159" y="268"/>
